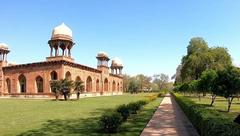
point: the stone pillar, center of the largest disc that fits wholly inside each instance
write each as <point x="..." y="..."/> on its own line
<point x="112" y="70"/>
<point x="120" y="71"/>
<point x="69" y="52"/>
<point x="51" y="51"/>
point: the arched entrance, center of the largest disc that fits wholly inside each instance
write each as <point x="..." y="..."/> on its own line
<point x="97" y="86"/>
<point x="118" y="89"/>
<point x="114" y="86"/>
<point x="89" y="84"/>
<point x="78" y="78"/>
<point x="68" y="76"/>
<point x="105" y="85"/>
<point x="54" y="75"/>
<point x="22" y="83"/>
<point x="39" y="84"/>
<point x="8" y="81"/>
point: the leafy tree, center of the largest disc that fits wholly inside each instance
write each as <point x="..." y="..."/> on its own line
<point x="220" y="58"/>
<point x="62" y="86"/>
<point x="200" y="58"/>
<point x="66" y="88"/>
<point x="78" y="87"/>
<point x="126" y="81"/>
<point x="161" y="80"/>
<point x="194" y="86"/>
<point x="184" y="88"/>
<point x="194" y="63"/>
<point x="144" y="81"/>
<point x="229" y="84"/>
<point x="55" y="88"/>
<point x="208" y="83"/>
<point x="133" y="86"/>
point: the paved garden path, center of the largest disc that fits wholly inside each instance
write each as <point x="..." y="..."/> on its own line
<point x="169" y="120"/>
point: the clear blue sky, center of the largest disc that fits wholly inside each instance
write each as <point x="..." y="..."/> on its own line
<point x="150" y="36"/>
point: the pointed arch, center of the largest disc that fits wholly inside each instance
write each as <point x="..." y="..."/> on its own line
<point x="105" y="85"/>
<point x="89" y="84"/>
<point x="8" y="81"/>
<point x="54" y="75"/>
<point x="78" y="78"/>
<point x="68" y="76"/>
<point x="114" y="86"/>
<point x="118" y="87"/>
<point x="97" y="85"/>
<point x="39" y="84"/>
<point x="22" y="83"/>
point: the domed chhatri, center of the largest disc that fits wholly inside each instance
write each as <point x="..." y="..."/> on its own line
<point x="116" y="66"/>
<point x="102" y="54"/>
<point x="103" y="59"/>
<point x="61" y="32"/>
<point x="3" y="46"/>
<point x="3" y="51"/>
<point x="61" y="40"/>
<point x="117" y="62"/>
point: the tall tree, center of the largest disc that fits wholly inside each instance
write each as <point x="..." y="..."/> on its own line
<point x="144" y="81"/>
<point x="229" y="84"/>
<point x="208" y="83"/>
<point x="200" y="58"/>
<point x="62" y="86"/>
<point x="161" y="80"/>
<point x="134" y="86"/>
<point x="78" y="87"/>
<point x="56" y="88"/>
<point x="126" y="81"/>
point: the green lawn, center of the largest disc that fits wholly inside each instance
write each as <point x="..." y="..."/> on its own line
<point x="220" y="105"/>
<point x="47" y="117"/>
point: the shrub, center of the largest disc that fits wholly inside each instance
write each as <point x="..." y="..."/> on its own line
<point x="160" y="95"/>
<point x="208" y="122"/>
<point x="237" y="119"/>
<point x="124" y="111"/>
<point x="110" y="122"/>
<point x="142" y="102"/>
<point x="134" y="107"/>
<point x="152" y="97"/>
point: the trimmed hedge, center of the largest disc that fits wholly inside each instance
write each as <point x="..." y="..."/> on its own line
<point x="124" y="111"/>
<point x="110" y="122"/>
<point x="208" y="122"/>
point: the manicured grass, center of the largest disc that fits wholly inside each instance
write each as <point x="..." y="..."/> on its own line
<point x="47" y="117"/>
<point x="220" y="105"/>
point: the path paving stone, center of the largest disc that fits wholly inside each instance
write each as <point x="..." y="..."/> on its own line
<point x="169" y="120"/>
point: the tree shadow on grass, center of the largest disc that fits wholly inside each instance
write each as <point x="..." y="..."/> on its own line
<point x="89" y="126"/>
<point x="59" y="127"/>
<point x="74" y="127"/>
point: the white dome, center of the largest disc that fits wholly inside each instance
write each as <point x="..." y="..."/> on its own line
<point x="3" y="46"/>
<point x="116" y="61"/>
<point x="62" y="30"/>
<point x="102" y="54"/>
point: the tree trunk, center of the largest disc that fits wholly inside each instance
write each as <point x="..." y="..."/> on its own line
<point x="56" y="96"/>
<point x="213" y="99"/>
<point x="78" y="94"/>
<point x="204" y="94"/>
<point x="199" y="97"/>
<point x="65" y="96"/>
<point x="230" y="99"/>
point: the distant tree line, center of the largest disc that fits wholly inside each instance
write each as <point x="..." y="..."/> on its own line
<point x="143" y="83"/>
